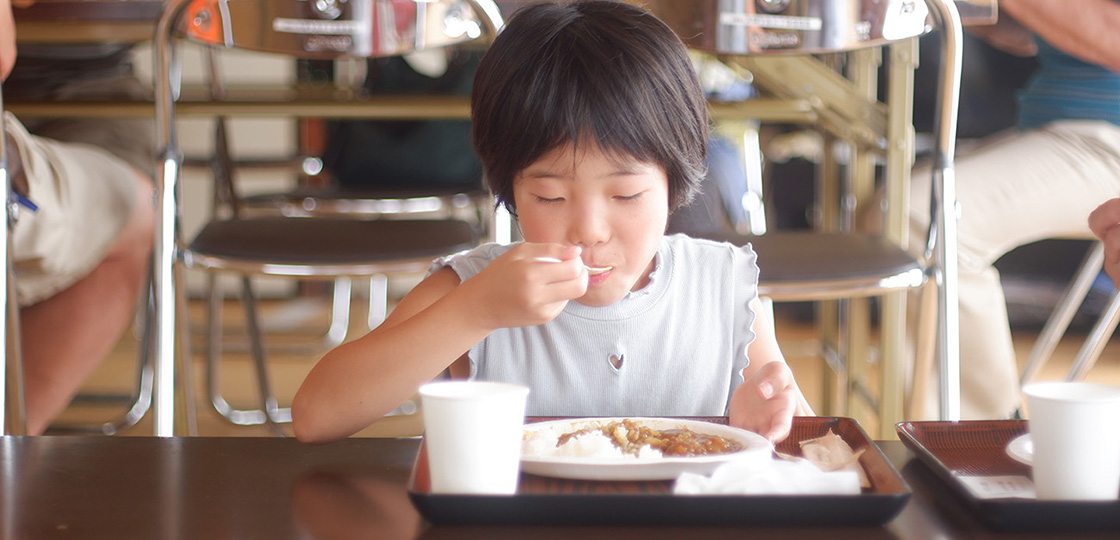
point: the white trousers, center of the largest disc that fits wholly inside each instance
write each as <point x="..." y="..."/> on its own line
<point x="1014" y="189"/>
<point x="81" y="173"/>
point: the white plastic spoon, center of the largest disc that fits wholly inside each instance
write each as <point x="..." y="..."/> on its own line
<point x="591" y="270"/>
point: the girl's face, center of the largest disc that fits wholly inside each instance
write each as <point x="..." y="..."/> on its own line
<point x="613" y="207"/>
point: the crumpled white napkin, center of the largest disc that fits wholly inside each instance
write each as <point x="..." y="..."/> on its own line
<point x="768" y="477"/>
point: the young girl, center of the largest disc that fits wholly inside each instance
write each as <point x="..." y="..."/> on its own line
<point x="592" y="129"/>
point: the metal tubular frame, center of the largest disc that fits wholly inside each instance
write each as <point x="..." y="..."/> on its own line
<point x="1063" y="314"/>
<point x="167" y="275"/>
<point x="13" y="414"/>
<point x="943" y="245"/>
<point x="167" y="189"/>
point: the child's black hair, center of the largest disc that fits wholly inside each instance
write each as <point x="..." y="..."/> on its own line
<point x="599" y="73"/>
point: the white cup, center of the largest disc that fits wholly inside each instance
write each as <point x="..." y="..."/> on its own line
<point x="1075" y="430"/>
<point x="472" y="431"/>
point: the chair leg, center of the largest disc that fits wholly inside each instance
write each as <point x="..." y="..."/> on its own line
<point x="187" y="413"/>
<point x="892" y="363"/>
<point x="378" y="301"/>
<point x="14" y="419"/>
<point x="340" y="313"/>
<point x="1063" y="313"/>
<point x="239" y="417"/>
<point x="925" y="351"/>
<point x="269" y="413"/>
<point x="829" y="319"/>
<point x="272" y="411"/>
<point x="860" y="356"/>
<point x="144" y="380"/>
<point x="333" y="336"/>
<point x="1094" y="344"/>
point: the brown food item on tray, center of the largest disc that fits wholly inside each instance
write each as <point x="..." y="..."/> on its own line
<point x="630" y="436"/>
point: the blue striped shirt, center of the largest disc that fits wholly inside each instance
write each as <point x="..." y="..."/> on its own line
<point x="1066" y="88"/>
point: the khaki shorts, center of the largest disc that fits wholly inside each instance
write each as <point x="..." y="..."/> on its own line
<point x="85" y="196"/>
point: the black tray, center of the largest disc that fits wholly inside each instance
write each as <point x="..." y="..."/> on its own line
<point x="553" y="501"/>
<point x="978" y="448"/>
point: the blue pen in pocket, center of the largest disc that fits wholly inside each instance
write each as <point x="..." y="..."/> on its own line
<point x="25" y="202"/>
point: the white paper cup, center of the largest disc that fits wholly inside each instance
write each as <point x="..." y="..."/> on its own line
<point x="1075" y="430"/>
<point x="472" y="431"/>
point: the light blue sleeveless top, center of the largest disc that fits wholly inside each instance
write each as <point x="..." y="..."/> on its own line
<point x="679" y="344"/>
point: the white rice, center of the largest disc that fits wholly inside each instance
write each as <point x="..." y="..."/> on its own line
<point x="594" y="445"/>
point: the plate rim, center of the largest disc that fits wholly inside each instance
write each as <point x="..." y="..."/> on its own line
<point x="641" y="469"/>
<point x="1016" y="449"/>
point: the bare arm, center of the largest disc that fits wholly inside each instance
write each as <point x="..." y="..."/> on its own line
<point x="1085" y="29"/>
<point x="1008" y="36"/>
<point x="434" y="325"/>
<point x="7" y="39"/>
<point x="769" y="396"/>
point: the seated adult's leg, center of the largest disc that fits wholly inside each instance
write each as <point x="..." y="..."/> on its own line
<point x="1014" y="191"/>
<point x="81" y="261"/>
<point x="66" y="336"/>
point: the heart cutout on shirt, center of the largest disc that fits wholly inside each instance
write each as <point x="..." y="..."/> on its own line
<point x="616" y="361"/>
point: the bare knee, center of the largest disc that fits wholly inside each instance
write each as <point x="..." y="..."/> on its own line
<point x="136" y="239"/>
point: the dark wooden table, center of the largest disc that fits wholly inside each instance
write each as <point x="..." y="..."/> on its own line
<point x="248" y="488"/>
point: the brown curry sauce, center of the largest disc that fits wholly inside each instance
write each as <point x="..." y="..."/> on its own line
<point x="630" y="436"/>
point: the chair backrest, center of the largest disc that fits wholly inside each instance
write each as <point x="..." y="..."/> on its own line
<point x="792" y="26"/>
<point x="335" y="28"/>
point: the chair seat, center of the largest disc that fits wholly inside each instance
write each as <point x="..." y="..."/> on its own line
<point x="326" y="247"/>
<point x="810" y="265"/>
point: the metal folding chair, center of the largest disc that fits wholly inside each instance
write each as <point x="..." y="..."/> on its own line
<point x="299" y="247"/>
<point x="834" y="264"/>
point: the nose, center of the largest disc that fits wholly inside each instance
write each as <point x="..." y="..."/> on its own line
<point x="590" y="225"/>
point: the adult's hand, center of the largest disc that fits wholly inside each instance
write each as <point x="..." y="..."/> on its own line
<point x="1104" y="223"/>
<point x="1007" y="35"/>
<point x="8" y="35"/>
<point x="7" y="39"/>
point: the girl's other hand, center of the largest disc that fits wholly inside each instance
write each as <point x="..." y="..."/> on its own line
<point x="527" y="287"/>
<point x="766" y="402"/>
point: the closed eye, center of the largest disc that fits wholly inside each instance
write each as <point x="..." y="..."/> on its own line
<point x="633" y="197"/>
<point x="548" y="200"/>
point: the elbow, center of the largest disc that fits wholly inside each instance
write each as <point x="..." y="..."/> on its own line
<point x="305" y="426"/>
<point x="305" y="433"/>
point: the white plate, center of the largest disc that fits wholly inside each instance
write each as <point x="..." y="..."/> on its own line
<point x="631" y="468"/>
<point x="1021" y="449"/>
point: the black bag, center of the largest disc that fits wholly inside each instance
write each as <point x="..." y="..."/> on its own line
<point x="407" y="154"/>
